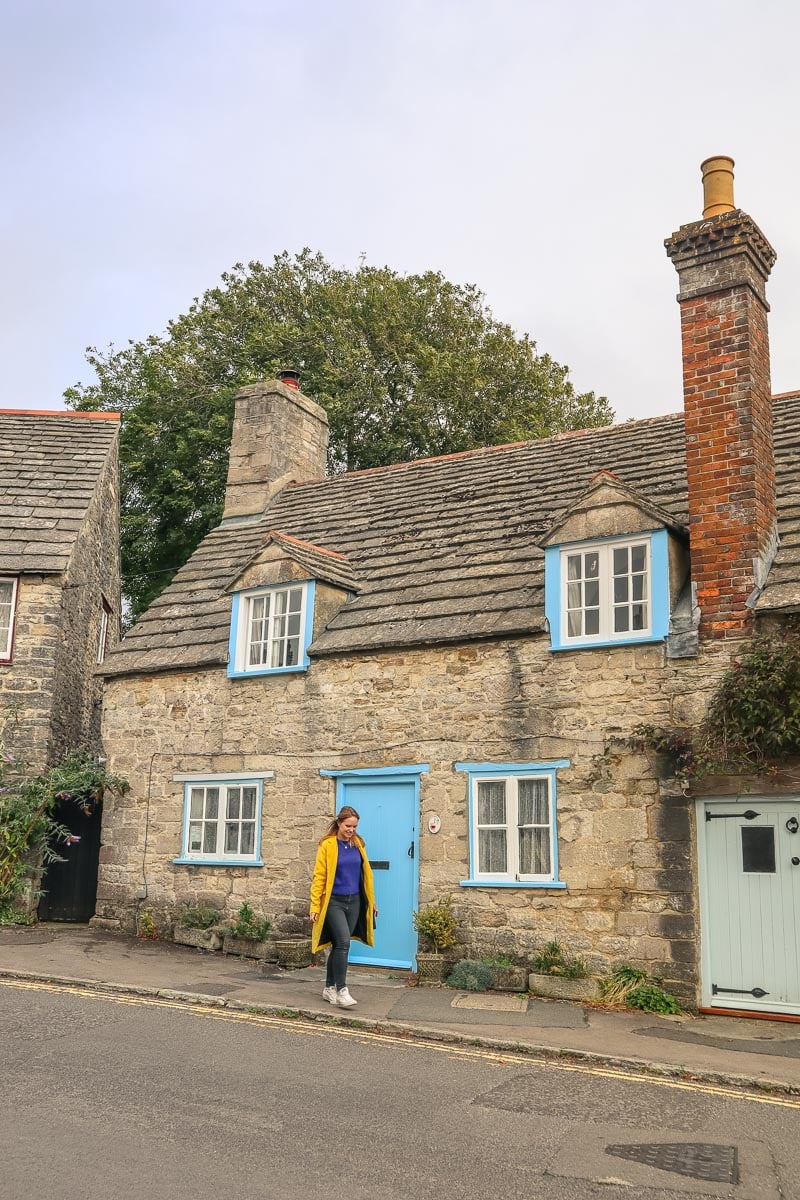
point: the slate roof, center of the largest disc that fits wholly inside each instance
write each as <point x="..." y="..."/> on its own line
<point x="49" y="466"/>
<point x="327" y="565"/>
<point x="444" y="549"/>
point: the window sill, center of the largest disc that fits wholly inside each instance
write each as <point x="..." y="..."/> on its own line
<point x="218" y="862"/>
<point x="268" y="671"/>
<point x="514" y="883"/>
<point x="601" y="644"/>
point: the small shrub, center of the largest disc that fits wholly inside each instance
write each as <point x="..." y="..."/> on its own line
<point x="634" y="988"/>
<point x="437" y="924"/>
<point x="471" y="975"/>
<point x="147" y="926"/>
<point x="553" y="960"/>
<point x="248" y="925"/>
<point x="197" y="916"/>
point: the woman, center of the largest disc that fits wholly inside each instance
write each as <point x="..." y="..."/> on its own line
<point x="342" y="901"/>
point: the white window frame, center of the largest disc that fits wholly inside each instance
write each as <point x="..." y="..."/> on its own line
<point x="510" y="775"/>
<point x="607" y="602"/>
<point x="7" y="631"/>
<point x="199" y="793"/>
<point x="243" y="620"/>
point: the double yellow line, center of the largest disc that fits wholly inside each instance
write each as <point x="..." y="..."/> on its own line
<point x="306" y="1028"/>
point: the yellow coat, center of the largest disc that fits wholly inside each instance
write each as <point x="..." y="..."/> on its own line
<point x="322" y="890"/>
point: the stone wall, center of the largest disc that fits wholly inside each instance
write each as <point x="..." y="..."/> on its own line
<point x="52" y="677"/>
<point x="625" y="838"/>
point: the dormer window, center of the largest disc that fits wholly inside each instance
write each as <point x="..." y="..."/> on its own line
<point x="271" y="629"/>
<point x="608" y="591"/>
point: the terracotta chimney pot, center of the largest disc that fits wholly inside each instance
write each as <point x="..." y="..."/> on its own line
<point x="717" y="185"/>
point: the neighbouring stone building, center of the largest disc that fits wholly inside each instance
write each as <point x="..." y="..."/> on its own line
<point x="452" y="644"/>
<point x="59" y="581"/>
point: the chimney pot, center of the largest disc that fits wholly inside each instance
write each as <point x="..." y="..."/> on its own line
<point x="717" y="185"/>
<point x="290" y="378"/>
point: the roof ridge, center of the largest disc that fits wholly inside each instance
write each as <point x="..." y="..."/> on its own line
<point x="56" y="412"/>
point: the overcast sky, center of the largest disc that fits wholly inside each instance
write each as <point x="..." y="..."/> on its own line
<point x="541" y="150"/>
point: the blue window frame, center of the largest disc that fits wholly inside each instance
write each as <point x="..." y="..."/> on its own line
<point x="271" y="629"/>
<point x="512" y="824"/>
<point x="222" y="819"/>
<point x="608" y="592"/>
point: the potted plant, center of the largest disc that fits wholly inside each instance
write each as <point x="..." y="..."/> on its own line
<point x="247" y="935"/>
<point x="436" y="924"/>
<point x="195" y="926"/>
<point x="561" y="976"/>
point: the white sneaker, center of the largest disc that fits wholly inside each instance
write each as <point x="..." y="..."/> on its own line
<point x="329" y="994"/>
<point x="344" y="999"/>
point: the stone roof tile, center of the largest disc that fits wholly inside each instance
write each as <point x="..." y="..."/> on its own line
<point x="49" y="467"/>
<point x="444" y="549"/>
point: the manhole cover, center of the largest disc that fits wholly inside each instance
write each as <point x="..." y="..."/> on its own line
<point x="492" y="1003"/>
<point x="698" y="1160"/>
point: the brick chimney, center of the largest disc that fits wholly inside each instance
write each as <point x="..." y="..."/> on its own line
<point x="723" y="263"/>
<point x="279" y="436"/>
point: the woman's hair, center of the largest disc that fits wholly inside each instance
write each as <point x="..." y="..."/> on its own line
<point x="346" y="811"/>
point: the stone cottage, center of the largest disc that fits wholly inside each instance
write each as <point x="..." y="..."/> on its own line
<point x="449" y="645"/>
<point x="59" y="596"/>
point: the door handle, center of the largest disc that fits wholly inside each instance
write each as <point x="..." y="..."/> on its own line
<point x="796" y="861"/>
<point x="411" y="849"/>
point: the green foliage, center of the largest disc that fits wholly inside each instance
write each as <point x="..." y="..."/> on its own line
<point x="405" y="365"/>
<point x="634" y="988"/>
<point x="471" y="975"/>
<point x="197" y="916"/>
<point x="147" y="926"/>
<point x="249" y="925"/>
<point x="437" y="924"/>
<point x="753" y="720"/>
<point x="553" y="960"/>
<point x="30" y="835"/>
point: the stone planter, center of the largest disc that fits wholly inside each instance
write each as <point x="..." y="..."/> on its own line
<point x="201" y="939"/>
<point x="247" y="948"/>
<point x="511" y="979"/>
<point x="556" y="987"/>
<point x="293" y="953"/>
<point x="432" y="968"/>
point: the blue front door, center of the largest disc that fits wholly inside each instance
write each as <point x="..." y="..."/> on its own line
<point x="388" y="807"/>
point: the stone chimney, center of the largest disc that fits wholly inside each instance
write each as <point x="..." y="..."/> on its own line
<point x="279" y="436"/>
<point x="723" y="263"/>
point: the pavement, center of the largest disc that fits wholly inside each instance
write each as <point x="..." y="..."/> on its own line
<point x="731" y="1051"/>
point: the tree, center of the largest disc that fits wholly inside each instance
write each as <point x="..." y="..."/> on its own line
<point x="406" y="367"/>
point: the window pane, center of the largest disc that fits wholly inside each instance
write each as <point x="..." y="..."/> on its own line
<point x="592" y="593"/>
<point x="232" y="811"/>
<point x="492" y="851"/>
<point x="534" y="851"/>
<point x="212" y="803"/>
<point x="292" y="652"/>
<point x="195" y="837"/>
<point x="758" y="849"/>
<point x="231" y="837"/>
<point x="492" y="802"/>
<point x="248" y="838"/>
<point x="638" y="558"/>
<point x="639" y="616"/>
<point x="592" y="565"/>
<point x="574" y="563"/>
<point x="621" y="589"/>
<point x="574" y="595"/>
<point x="196" y="803"/>
<point x="293" y="625"/>
<point x="621" y="560"/>
<point x="210" y="837"/>
<point x="533" y="802"/>
<point x="249" y="803"/>
<point x="637" y="586"/>
<point x="592" y="621"/>
<point x="621" y="620"/>
<point x="574" y="624"/>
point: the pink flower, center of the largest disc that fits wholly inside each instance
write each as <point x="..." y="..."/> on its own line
<point x="72" y="838"/>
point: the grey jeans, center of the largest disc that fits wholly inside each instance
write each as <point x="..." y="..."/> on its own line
<point x="340" y="921"/>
